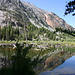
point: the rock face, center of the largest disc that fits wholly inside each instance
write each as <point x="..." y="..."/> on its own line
<point x="37" y="16"/>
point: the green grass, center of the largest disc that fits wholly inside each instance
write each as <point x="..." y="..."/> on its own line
<point x="68" y="41"/>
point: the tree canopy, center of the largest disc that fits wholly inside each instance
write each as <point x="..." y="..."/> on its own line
<point x="70" y="7"/>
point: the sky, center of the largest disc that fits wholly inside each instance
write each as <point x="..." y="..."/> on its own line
<point x="55" y="6"/>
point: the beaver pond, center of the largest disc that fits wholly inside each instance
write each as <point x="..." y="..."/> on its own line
<point x="67" y="68"/>
<point x="52" y="61"/>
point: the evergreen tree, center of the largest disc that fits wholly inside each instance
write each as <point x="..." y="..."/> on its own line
<point x="0" y="33"/>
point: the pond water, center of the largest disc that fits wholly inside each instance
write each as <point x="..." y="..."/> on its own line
<point x="6" y="50"/>
<point x="67" y="68"/>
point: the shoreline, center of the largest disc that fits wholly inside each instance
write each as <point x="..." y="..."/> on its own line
<point x="7" y="44"/>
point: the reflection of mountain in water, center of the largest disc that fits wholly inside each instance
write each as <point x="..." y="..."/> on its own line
<point x="67" y="68"/>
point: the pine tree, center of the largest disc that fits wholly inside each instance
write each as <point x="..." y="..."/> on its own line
<point x="25" y="34"/>
<point x="7" y="23"/>
<point x="0" y="33"/>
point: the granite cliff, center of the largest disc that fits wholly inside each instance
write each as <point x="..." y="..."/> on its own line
<point x="15" y="9"/>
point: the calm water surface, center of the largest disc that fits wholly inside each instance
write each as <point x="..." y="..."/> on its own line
<point x="67" y="68"/>
<point x="6" y="50"/>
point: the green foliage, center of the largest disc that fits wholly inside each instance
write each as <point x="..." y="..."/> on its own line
<point x="34" y="32"/>
<point x="70" y="7"/>
<point x="9" y="33"/>
<point x="70" y="32"/>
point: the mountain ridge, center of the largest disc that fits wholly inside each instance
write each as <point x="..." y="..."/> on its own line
<point x="33" y="14"/>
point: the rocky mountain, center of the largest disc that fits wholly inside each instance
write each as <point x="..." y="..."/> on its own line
<point x="16" y="11"/>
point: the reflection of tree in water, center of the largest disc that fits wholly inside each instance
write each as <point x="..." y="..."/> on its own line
<point x="21" y="63"/>
<point x="6" y="52"/>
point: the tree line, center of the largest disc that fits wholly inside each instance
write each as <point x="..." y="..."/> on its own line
<point x="68" y="31"/>
<point x="9" y="33"/>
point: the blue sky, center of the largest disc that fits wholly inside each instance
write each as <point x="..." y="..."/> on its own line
<point x="56" y="6"/>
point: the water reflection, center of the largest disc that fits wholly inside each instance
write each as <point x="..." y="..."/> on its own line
<point x="6" y="50"/>
<point x="67" y="68"/>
